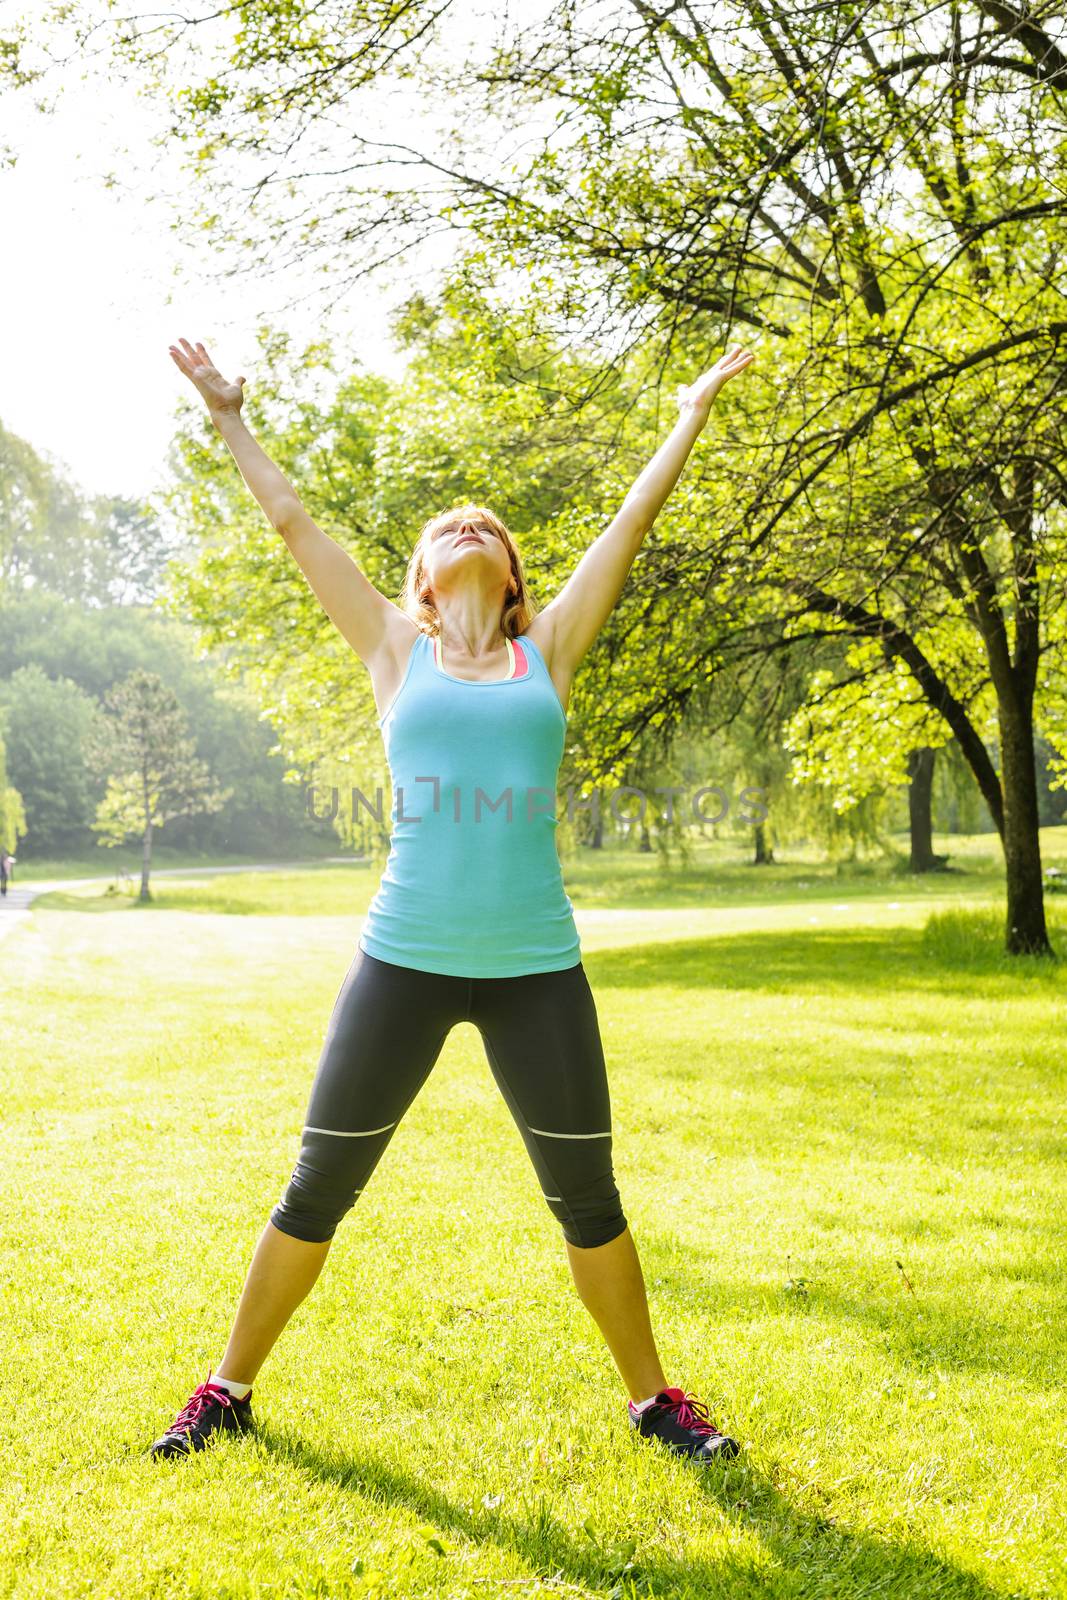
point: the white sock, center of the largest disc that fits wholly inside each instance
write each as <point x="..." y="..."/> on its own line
<point x="639" y="1405"/>
<point x="240" y="1391"/>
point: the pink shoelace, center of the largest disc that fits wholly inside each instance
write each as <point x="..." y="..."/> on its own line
<point x="207" y="1394"/>
<point x="691" y="1413"/>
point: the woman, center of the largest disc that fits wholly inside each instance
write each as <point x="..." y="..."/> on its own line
<point x="470" y="921"/>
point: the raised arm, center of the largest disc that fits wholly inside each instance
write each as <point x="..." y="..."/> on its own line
<point x="367" y="618"/>
<point x="585" y="602"/>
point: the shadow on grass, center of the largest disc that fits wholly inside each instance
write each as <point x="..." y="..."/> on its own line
<point x="808" y="1548"/>
<point x="867" y="961"/>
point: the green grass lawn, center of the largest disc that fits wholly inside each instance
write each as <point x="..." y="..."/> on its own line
<point x="838" y="1114"/>
<point x="127" y="857"/>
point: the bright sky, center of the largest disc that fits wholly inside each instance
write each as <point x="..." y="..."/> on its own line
<point x="95" y="288"/>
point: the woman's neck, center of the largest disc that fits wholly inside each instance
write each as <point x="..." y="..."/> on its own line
<point x="468" y="627"/>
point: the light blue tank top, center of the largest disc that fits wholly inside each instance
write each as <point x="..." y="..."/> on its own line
<point x="473" y="885"/>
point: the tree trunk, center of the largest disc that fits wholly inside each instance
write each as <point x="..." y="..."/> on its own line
<point x="1026" y="931"/>
<point x="920" y="816"/>
<point x="646" y="840"/>
<point x="146" y="861"/>
<point x="1011" y="798"/>
<point x="764" y="852"/>
<point x="596" y="838"/>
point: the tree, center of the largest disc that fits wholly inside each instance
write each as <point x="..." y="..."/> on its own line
<point x="744" y="710"/>
<point x="149" y="761"/>
<point x="876" y="193"/>
<point x="94" y="551"/>
<point x="12" y="815"/>
<point x="922" y="857"/>
<point x="49" y="720"/>
<point x="879" y="196"/>
<point x="57" y="661"/>
<point x="857" y="732"/>
<point x="136" y="549"/>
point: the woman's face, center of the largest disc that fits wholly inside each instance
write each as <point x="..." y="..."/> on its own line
<point x="466" y="550"/>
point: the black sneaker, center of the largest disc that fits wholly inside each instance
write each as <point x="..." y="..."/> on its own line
<point x="209" y="1410"/>
<point x="682" y="1422"/>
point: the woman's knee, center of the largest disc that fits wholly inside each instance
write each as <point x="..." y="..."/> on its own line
<point x="313" y="1229"/>
<point x="314" y="1204"/>
<point x="589" y="1233"/>
<point x="590" y="1214"/>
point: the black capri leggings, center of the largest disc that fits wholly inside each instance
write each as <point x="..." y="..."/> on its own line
<point x="388" y="1026"/>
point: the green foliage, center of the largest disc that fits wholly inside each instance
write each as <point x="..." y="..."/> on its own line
<point x="12" y="818"/>
<point x="49" y="720"/>
<point x="57" y="661"/>
<point x="12" y="812"/>
<point x="857" y="725"/>
<point x="874" y="202"/>
<point x="142" y="750"/>
<point x="94" y="551"/>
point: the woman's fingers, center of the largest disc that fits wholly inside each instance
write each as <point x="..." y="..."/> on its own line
<point x="193" y="355"/>
<point x="191" y="358"/>
<point x="736" y="361"/>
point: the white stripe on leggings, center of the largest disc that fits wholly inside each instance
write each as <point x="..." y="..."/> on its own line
<point x="548" y="1135"/>
<point x="360" y="1133"/>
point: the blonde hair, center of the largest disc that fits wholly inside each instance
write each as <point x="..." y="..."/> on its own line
<point x="415" y="597"/>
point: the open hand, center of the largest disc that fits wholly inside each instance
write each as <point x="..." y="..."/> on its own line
<point x="699" y="395"/>
<point x="195" y="362"/>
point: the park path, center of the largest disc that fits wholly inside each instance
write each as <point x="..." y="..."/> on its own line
<point x="599" y="927"/>
<point x="15" y="905"/>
